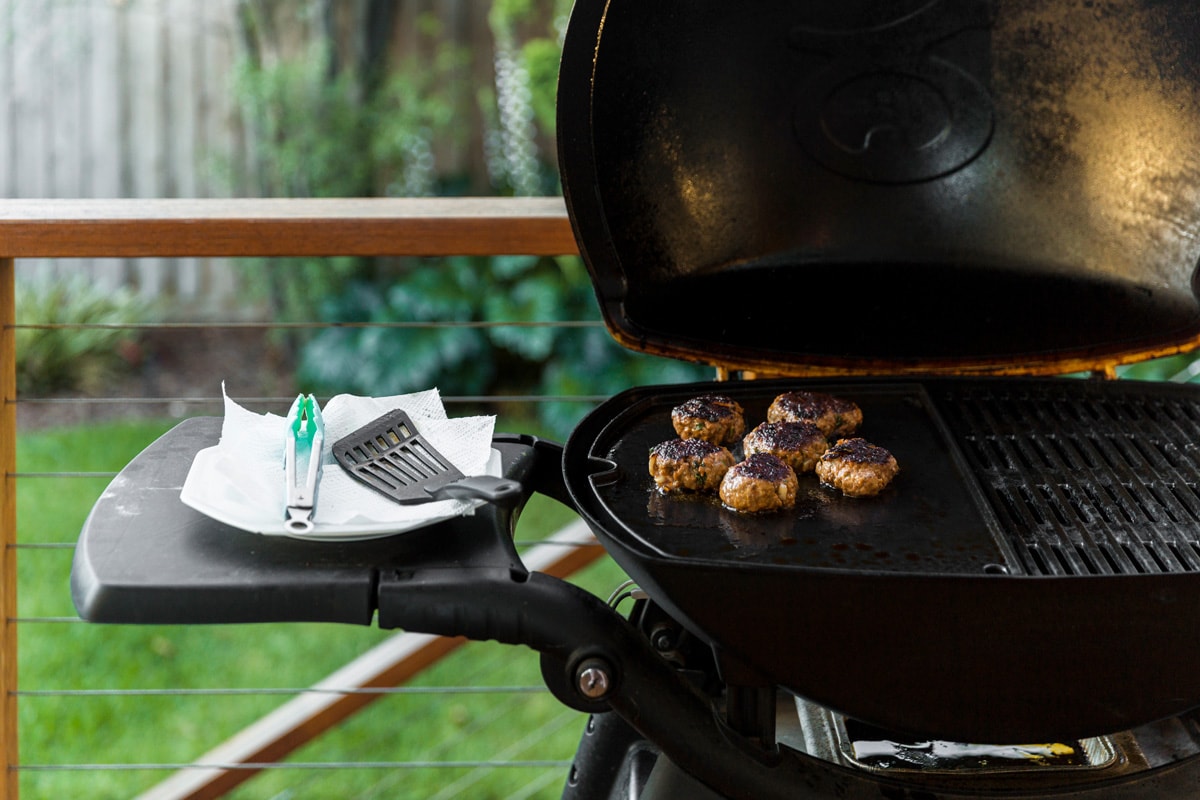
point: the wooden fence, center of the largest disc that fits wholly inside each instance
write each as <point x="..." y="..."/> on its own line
<point x="122" y="98"/>
<point x="115" y="99"/>
<point x="135" y="99"/>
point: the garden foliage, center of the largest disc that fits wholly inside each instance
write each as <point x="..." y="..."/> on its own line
<point x="73" y="335"/>
<point x="331" y="125"/>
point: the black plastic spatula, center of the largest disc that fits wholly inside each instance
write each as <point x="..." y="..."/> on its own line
<point x="393" y="458"/>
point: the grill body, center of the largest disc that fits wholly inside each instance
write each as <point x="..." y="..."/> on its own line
<point x="900" y="202"/>
<point x="1031" y="573"/>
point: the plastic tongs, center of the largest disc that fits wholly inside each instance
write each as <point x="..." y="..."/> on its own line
<point x="302" y="462"/>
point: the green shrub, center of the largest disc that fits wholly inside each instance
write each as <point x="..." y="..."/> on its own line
<point x="472" y="359"/>
<point x="329" y="125"/>
<point x="72" y="335"/>
<point x="1182" y="368"/>
<point x="390" y="360"/>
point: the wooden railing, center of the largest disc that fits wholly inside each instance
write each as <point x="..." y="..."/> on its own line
<point x="224" y="228"/>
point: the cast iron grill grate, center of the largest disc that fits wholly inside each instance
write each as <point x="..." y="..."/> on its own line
<point x="1083" y="483"/>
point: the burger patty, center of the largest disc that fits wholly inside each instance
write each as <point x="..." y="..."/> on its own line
<point x="835" y="416"/>
<point x="798" y="444"/>
<point x="762" y="482"/>
<point x="857" y="467"/>
<point x="712" y="417"/>
<point x="693" y="465"/>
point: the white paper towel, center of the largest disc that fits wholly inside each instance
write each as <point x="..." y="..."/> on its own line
<point x="240" y="481"/>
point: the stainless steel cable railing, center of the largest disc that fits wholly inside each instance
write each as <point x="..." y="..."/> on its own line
<point x="49" y="229"/>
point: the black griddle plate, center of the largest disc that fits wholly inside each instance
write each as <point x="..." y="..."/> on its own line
<point x="910" y="610"/>
<point x="930" y="519"/>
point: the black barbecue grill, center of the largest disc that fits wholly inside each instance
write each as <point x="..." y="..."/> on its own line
<point x="1036" y="527"/>
<point x="845" y="192"/>
<point x="922" y="206"/>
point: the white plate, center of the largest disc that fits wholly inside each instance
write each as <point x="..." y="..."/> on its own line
<point x="216" y="489"/>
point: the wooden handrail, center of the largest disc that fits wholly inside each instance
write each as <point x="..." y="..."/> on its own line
<point x="284" y="227"/>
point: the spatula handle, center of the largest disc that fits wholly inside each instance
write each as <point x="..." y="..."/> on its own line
<point x="480" y="487"/>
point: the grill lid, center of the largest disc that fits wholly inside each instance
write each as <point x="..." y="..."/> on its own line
<point x="887" y="187"/>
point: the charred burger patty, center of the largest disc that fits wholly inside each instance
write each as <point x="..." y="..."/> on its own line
<point x="693" y="465"/>
<point x="799" y="444"/>
<point x="857" y="467"/>
<point x="712" y="417"/>
<point x="762" y="482"/>
<point x="835" y="416"/>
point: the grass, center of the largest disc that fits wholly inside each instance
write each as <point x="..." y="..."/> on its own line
<point x="417" y="728"/>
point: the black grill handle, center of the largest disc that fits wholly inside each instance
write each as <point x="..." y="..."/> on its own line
<point x="536" y="463"/>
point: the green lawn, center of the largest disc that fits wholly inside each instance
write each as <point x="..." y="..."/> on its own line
<point x="414" y="728"/>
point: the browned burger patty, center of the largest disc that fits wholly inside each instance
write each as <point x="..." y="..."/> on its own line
<point x="692" y="465"/>
<point x="835" y="416"/>
<point x="857" y="467"/>
<point x="712" y="417"/>
<point x="799" y="444"/>
<point x="760" y="483"/>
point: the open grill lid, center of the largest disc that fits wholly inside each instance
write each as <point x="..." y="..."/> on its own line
<point x="916" y="186"/>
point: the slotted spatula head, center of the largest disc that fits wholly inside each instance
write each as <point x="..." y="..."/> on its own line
<point x="390" y="456"/>
<point x="393" y="458"/>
